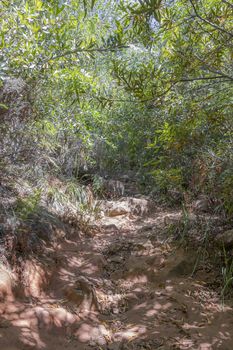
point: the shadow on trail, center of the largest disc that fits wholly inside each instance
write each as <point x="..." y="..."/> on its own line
<point x="118" y="291"/>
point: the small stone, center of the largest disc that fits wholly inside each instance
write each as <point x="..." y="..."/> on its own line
<point x="117" y="211"/>
<point x="201" y="205"/>
<point x="225" y="239"/>
<point x="110" y="228"/>
<point x="115" y="311"/>
<point x="116" y="259"/>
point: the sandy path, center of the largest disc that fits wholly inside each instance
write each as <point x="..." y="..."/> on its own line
<point x="124" y="288"/>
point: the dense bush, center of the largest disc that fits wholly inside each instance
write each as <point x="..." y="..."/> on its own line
<point x="147" y="88"/>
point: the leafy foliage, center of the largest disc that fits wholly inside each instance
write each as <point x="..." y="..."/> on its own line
<point x="116" y="86"/>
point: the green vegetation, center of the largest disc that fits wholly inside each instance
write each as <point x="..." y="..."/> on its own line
<point x="128" y="85"/>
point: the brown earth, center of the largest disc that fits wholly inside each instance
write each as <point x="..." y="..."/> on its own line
<point x="128" y="287"/>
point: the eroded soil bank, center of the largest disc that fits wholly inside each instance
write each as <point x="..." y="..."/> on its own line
<point x="127" y="286"/>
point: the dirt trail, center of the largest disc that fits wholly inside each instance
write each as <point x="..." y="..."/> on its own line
<point x="124" y="288"/>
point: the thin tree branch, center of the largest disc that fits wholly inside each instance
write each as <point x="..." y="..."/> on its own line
<point x="213" y="70"/>
<point x="210" y="23"/>
<point x="209" y="85"/>
<point x="207" y="67"/>
<point x="203" y="78"/>
<point x="108" y="99"/>
<point x="100" y="49"/>
<point x="158" y="98"/>
<point x="223" y="75"/>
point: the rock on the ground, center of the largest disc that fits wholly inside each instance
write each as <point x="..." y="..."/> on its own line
<point x="140" y="206"/>
<point x="126" y="205"/>
<point x="117" y="210"/>
<point x="202" y="204"/>
<point x="116" y="259"/>
<point x="108" y="227"/>
<point x="225" y="239"/>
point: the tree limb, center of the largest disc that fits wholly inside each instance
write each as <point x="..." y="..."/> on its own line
<point x="202" y="78"/>
<point x="213" y="70"/>
<point x="210" y="23"/>
<point x="100" y="49"/>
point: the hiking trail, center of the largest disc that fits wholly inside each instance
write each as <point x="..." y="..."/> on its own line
<point x="126" y="286"/>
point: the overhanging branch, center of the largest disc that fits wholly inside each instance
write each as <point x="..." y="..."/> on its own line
<point x="223" y="30"/>
<point x="100" y="49"/>
<point x="203" y="78"/>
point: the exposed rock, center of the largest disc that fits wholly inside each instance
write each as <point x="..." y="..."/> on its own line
<point x="110" y="228"/>
<point x="140" y="206"/>
<point x="116" y="259"/>
<point x="201" y="205"/>
<point x="135" y="206"/>
<point x="118" y="210"/>
<point x="115" y="208"/>
<point x="225" y="239"/>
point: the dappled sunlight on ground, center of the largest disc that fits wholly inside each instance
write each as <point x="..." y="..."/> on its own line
<point x="121" y="290"/>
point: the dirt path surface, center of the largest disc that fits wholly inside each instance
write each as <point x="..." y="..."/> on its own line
<point x="124" y="288"/>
